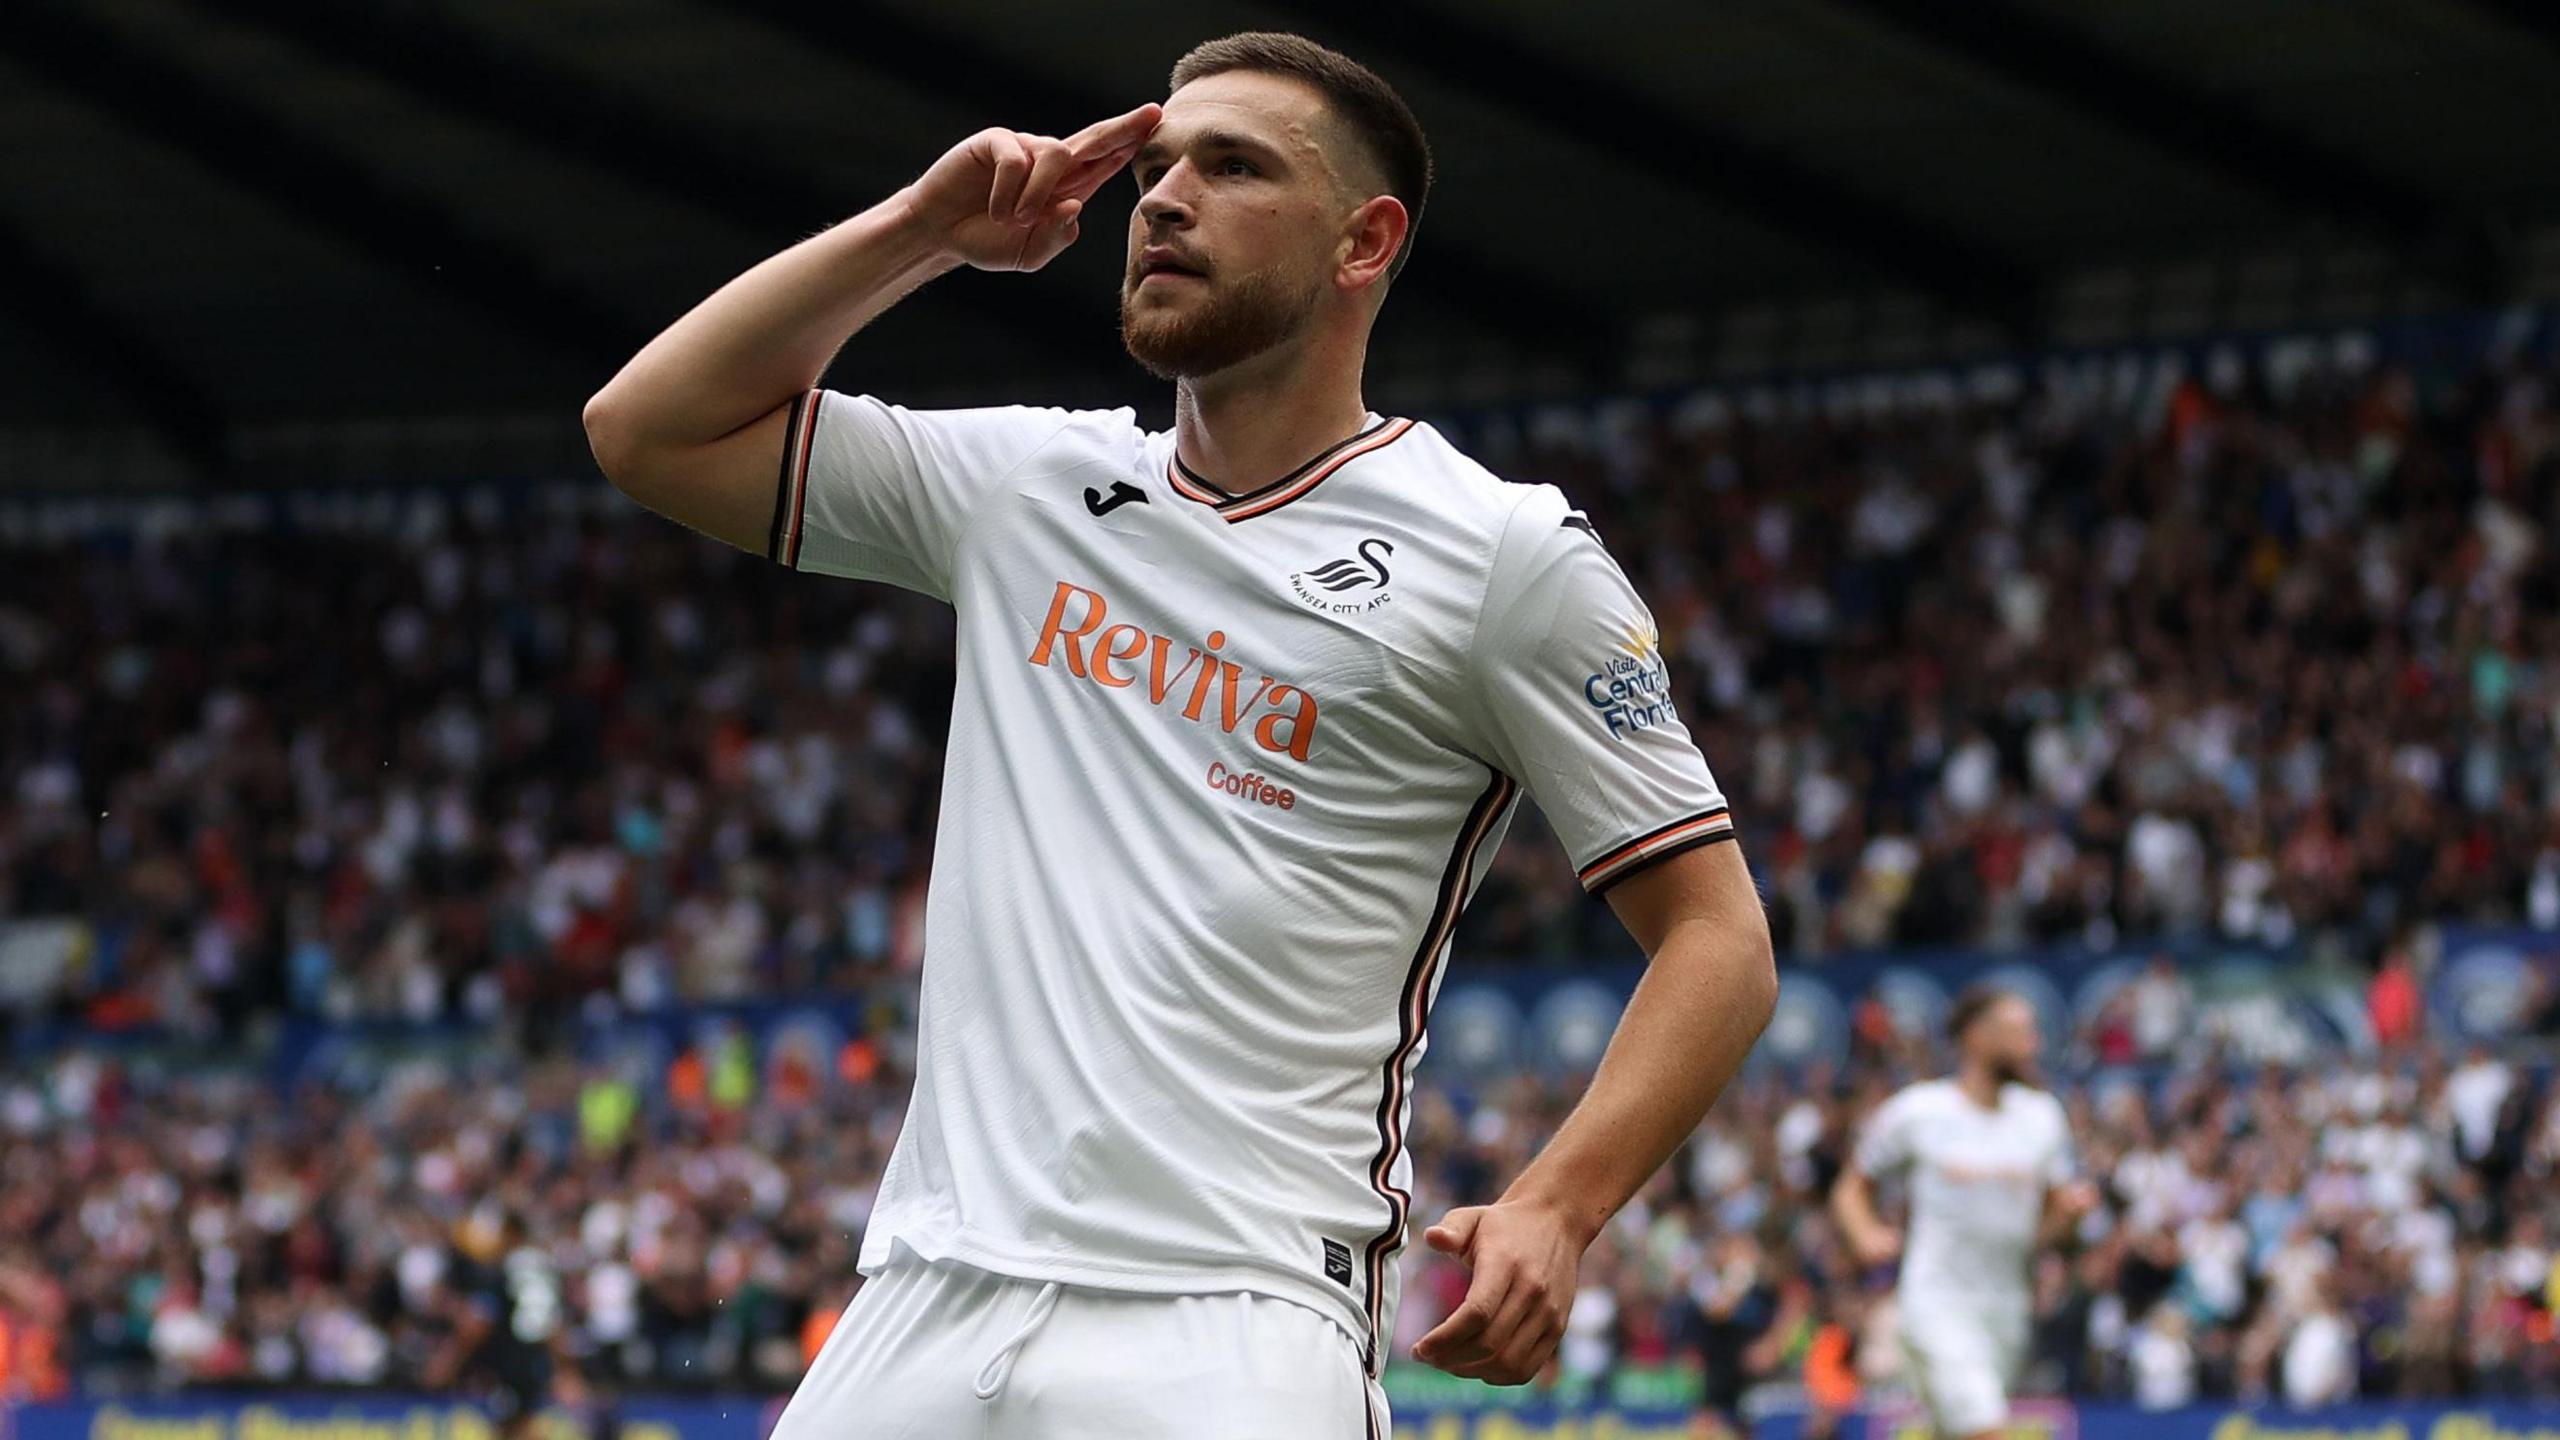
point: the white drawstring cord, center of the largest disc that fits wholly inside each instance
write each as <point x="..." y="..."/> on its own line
<point x="999" y="1366"/>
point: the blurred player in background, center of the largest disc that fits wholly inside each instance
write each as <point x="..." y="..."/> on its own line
<point x="1243" y="709"/>
<point x="1989" y="1161"/>
<point x="510" y="1308"/>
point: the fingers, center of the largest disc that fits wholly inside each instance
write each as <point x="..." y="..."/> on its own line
<point x="1033" y="173"/>
<point x="1516" y="1328"/>
<point x="1054" y="235"/>
<point x="1516" y="1306"/>
<point x="1511" y="1319"/>
<point x="1517" y="1323"/>
<point x="1527" y="1354"/>
<point x="1515" y="1345"/>
<point x="1459" y="1340"/>
<point x="1091" y="175"/>
<point x="1455" y="1232"/>
<point x="1120" y="132"/>
<point x="1050" y="160"/>
<point x="1013" y="168"/>
<point x="1521" y="1359"/>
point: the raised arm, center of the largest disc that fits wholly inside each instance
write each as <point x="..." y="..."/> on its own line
<point x="692" y="426"/>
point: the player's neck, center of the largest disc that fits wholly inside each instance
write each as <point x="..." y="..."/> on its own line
<point x="1246" y="427"/>
<point x="1980" y="1085"/>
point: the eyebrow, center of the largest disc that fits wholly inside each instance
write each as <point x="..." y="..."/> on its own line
<point x="1210" y="139"/>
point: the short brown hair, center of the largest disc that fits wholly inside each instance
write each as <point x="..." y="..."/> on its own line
<point x="1975" y="1002"/>
<point x="1368" y="106"/>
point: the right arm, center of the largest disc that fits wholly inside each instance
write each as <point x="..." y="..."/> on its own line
<point x="692" y="427"/>
<point x="1853" y="1209"/>
<point x="1885" y="1146"/>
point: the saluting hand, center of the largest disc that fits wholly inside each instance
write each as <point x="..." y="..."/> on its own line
<point x="1004" y="200"/>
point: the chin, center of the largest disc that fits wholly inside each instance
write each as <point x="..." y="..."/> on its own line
<point x="1171" y="345"/>
<point x="1228" y="323"/>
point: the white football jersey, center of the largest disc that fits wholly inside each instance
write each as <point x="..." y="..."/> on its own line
<point x="1222" y="771"/>
<point x="1977" y="1183"/>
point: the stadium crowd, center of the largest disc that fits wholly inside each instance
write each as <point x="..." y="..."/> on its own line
<point x="2374" y="1230"/>
<point x="2051" y="669"/>
<point x="2270" y="662"/>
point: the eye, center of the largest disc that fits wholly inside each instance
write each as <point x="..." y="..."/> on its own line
<point x="1237" y="164"/>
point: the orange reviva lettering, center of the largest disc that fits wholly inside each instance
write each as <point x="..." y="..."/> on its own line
<point x="1051" y="634"/>
<point x="1208" y="674"/>
<point x="1282" y="715"/>
<point x="1300" y="717"/>
<point x="1156" y="683"/>
<point x="1110" y="648"/>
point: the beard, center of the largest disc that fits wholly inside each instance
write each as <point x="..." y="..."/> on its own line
<point x="2009" y="1071"/>
<point x="1235" y="321"/>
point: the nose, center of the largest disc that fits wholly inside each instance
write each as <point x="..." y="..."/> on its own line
<point x="1164" y="205"/>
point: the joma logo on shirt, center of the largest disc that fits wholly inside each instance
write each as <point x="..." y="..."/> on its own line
<point x="1110" y="656"/>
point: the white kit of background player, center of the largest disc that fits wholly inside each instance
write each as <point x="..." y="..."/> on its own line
<point x="1992" y="1179"/>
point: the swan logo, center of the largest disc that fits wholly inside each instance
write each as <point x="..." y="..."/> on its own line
<point x="1352" y="585"/>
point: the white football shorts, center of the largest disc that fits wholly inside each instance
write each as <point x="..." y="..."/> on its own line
<point x="937" y="1350"/>
<point x="1962" y="1366"/>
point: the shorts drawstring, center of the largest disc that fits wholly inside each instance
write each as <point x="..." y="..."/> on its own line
<point x="999" y="1366"/>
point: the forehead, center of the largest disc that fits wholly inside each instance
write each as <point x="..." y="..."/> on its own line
<point x="1271" y="108"/>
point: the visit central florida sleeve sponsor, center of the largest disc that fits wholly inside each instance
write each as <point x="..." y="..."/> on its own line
<point x="876" y="491"/>
<point x="1576" y="700"/>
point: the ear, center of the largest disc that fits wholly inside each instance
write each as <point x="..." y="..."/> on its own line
<point x="1371" y="236"/>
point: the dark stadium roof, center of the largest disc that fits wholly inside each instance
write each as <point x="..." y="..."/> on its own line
<point x="279" y="237"/>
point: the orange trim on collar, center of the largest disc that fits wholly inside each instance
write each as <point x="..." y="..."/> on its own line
<point x="1232" y="508"/>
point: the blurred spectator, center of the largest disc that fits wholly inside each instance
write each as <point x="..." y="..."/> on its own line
<point x="2391" y="1002"/>
<point x="2320" y="1355"/>
<point x="2474" y="1095"/>
<point x="2163" y="1008"/>
<point x="32" y="1310"/>
<point x="2162" y="1363"/>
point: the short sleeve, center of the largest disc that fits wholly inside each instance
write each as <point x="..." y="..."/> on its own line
<point x="876" y="491"/>
<point x="1885" y="1146"/>
<point x="1576" y="702"/>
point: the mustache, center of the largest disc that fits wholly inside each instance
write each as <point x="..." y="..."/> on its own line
<point x="1136" y="269"/>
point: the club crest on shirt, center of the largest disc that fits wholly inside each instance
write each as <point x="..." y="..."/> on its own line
<point x="1348" y="585"/>
<point x="1631" y="691"/>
